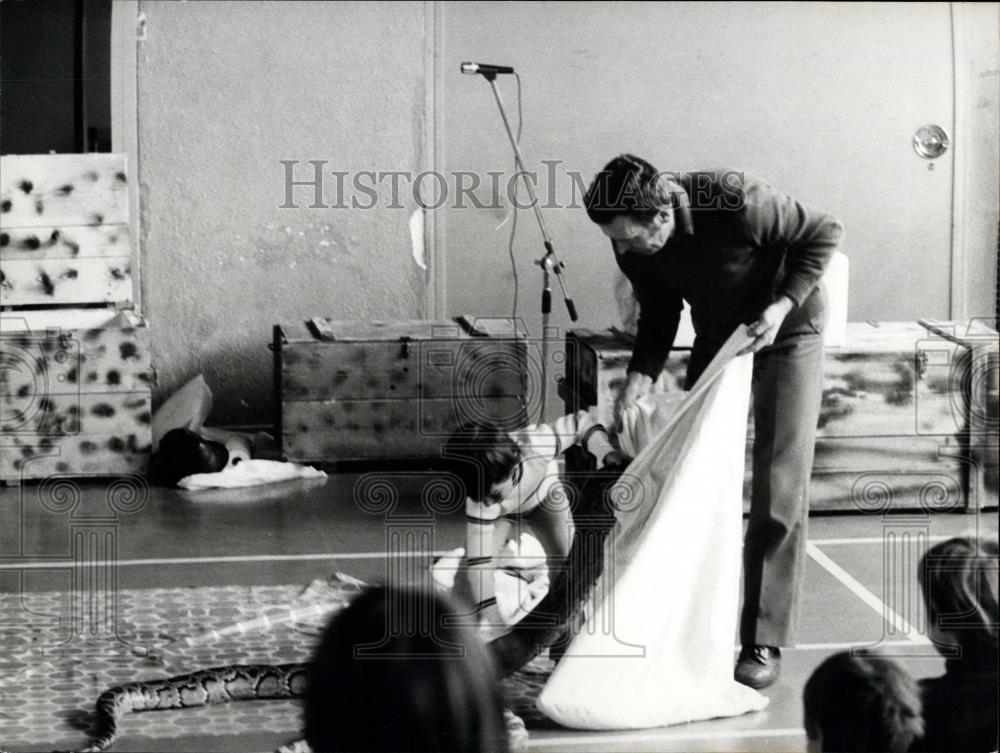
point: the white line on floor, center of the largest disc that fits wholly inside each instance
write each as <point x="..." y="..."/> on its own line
<point x="665" y="736"/>
<point x="844" y="646"/>
<point x="864" y="594"/>
<point x="868" y="540"/>
<point x="56" y="563"/>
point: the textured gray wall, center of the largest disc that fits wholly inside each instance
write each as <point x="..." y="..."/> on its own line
<point x="819" y="98"/>
<point x="226" y="90"/>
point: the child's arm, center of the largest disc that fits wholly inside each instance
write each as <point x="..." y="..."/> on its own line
<point x="581" y="427"/>
<point x="480" y="549"/>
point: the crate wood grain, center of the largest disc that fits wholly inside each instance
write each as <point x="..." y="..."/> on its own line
<point x="66" y="242"/>
<point x="334" y="431"/>
<point x="64" y="237"/>
<point x="106" y="359"/>
<point x="46" y="281"/>
<point x="78" y="430"/>
<point x="895" y="401"/>
<point x="428" y="368"/>
<point x="65" y="189"/>
<point x="97" y="455"/>
<point x="75" y="389"/>
<point x="380" y="390"/>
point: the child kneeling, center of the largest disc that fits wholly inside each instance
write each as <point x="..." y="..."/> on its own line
<point x="512" y="479"/>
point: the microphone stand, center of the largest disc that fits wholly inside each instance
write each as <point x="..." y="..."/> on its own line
<point x="549" y="263"/>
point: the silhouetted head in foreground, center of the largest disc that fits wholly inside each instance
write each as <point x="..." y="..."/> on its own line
<point x="394" y="672"/>
<point x="861" y="703"/>
<point x="958" y="578"/>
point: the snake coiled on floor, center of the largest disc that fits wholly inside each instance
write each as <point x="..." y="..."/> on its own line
<point x="238" y="682"/>
<point x="544" y="626"/>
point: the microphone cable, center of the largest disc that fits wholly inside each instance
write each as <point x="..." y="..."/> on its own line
<point x="513" y="224"/>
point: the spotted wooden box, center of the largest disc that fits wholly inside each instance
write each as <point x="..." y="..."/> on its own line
<point x="75" y="373"/>
<point x="390" y="390"/>
<point x="908" y="418"/>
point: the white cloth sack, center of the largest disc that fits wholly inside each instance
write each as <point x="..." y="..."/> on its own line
<point x="657" y="644"/>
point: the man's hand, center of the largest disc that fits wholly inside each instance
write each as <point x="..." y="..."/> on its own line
<point x="765" y="329"/>
<point x="636" y="386"/>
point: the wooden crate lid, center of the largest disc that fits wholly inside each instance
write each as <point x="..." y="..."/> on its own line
<point x="862" y="337"/>
<point x="357" y="331"/>
<point x="973" y="333"/>
<point x="64" y="232"/>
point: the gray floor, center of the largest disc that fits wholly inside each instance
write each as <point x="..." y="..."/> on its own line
<point x="857" y="571"/>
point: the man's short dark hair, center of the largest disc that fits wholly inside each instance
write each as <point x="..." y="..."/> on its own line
<point x="481" y="455"/>
<point x="629" y="186"/>
<point x="862" y="702"/>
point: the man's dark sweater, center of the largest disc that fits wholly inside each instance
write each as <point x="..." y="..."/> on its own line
<point x="737" y="245"/>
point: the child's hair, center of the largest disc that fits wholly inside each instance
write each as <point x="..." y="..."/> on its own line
<point x="182" y="453"/>
<point x="958" y="578"/>
<point x="481" y="455"/>
<point x="862" y="702"/>
<point x="395" y="671"/>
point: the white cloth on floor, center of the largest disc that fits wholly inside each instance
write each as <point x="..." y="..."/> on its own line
<point x="249" y="473"/>
<point x="657" y="644"/>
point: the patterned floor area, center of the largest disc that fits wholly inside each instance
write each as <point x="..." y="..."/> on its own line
<point x="55" y="663"/>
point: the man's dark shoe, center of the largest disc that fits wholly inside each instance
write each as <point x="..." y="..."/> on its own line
<point x="758" y="666"/>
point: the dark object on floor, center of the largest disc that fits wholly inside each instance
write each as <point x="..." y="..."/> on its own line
<point x="758" y="666"/>
<point x="184" y="452"/>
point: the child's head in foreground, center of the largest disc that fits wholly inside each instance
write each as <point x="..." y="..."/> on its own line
<point x="396" y="672"/>
<point x="486" y="460"/>
<point x="958" y="578"/>
<point x="861" y="701"/>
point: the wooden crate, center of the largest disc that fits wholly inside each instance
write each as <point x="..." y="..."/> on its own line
<point x="894" y="424"/>
<point x="391" y="390"/>
<point x="75" y="383"/>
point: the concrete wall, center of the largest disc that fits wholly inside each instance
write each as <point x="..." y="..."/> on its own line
<point x="820" y="98"/>
<point x="226" y="91"/>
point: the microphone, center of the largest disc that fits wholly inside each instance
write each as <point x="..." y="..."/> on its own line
<point x="486" y="69"/>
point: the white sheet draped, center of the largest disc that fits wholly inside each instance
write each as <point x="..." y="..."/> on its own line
<point x="657" y="644"/>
